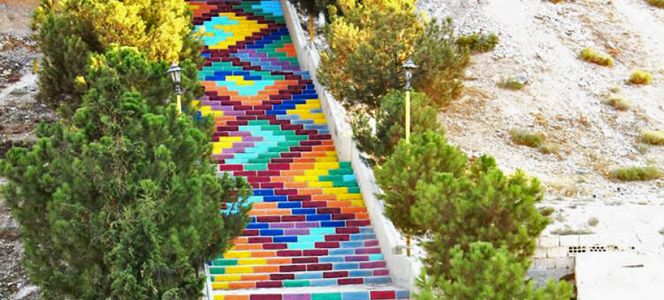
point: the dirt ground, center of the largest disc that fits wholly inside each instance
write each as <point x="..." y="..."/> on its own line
<point x="19" y="115"/>
<point x="564" y="99"/>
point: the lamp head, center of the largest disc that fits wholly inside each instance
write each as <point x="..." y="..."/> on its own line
<point x="409" y="66"/>
<point x="175" y="72"/>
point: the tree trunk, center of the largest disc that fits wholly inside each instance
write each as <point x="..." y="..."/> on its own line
<point x="312" y="27"/>
<point x="408" y="245"/>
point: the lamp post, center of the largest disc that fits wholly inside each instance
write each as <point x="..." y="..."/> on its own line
<point x="175" y="72"/>
<point x="408" y="67"/>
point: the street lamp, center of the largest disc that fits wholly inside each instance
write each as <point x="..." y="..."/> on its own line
<point x="176" y="76"/>
<point x="408" y="67"/>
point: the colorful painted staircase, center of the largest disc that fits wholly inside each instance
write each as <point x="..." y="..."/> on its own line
<point x="310" y="236"/>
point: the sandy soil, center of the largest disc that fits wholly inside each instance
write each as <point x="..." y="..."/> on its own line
<point x="19" y="115"/>
<point x="564" y="99"/>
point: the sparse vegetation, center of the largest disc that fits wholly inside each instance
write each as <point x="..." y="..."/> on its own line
<point x="640" y="77"/>
<point x="534" y="140"/>
<point x="570" y="231"/>
<point x="549" y="148"/>
<point x="656" y="3"/>
<point x="642" y="148"/>
<point x="479" y="42"/>
<point x="593" y="221"/>
<point x="593" y="56"/>
<point x="661" y="231"/>
<point x="653" y="137"/>
<point x="527" y="138"/>
<point x="618" y="102"/>
<point x="513" y="83"/>
<point x="636" y="173"/>
<point x="547" y="211"/>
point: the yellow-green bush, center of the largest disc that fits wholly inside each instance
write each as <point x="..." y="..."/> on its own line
<point x="653" y="137"/>
<point x="596" y="57"/>
<point x="69" y="31"/>
<point x="636" y="173"/>
<point x="640" y="77"/>
<point x="370" y="40"/>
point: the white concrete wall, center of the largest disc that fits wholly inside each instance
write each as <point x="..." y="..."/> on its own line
<point x="403" y="270"/>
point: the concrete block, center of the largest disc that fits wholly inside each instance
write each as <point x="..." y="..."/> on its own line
<point x="540" y="252"/>
<point x="566" y="263"/>
<point x="556" y="252"/>
<point x="548" y="241"/>
<point x="544" y="263"/>
<point x="569" y="240"/>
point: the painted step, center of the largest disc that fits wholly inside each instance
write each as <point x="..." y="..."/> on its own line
<point x="236" y="285"/>
<point x="355" y="294"/>
<point x="299" y="267"/>
<point x="299" y="275"/>
<point x="223" y="262"/>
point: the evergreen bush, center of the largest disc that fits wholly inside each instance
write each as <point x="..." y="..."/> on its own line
<point x="122" y="202"/>
<point x="378" y="144"/>
<point x="481" y="204"/>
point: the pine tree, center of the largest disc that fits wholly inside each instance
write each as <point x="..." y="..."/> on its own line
<point x="484" y="272"/>
<point x="69" y="31"/>
<point x="411" y="163"/>
<point x="380" y="144"/>
<point x="122" y="203"/>
<point x="480" y="205"/>
<point x="369" y="43"/>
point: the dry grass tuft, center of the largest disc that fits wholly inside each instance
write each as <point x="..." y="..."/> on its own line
<point x="653" y="137"/>
<point x="640" y="77"/>
<point x="596" y="57"/>
<point x="618" y="103"/>
<point x="636" y="173"/>
<point x="527" y="138"/>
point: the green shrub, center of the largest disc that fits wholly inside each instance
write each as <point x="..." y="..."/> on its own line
<point x="478" y="42"/>
<point x="653" y="137"/>
<point x="122" y="201"/>
<point x="527" y="138"/>
<point x="378" y="144"/>
<point x="482" y="271"/>
<point x="640" y="77"/>
<point x="596" y="57"/>
<point x="636" y="173"/>
<point x="455" y="210"/>
<point x="618" y="103"/>
<point x="656" y="3"/>
<point x="412" y="163"/>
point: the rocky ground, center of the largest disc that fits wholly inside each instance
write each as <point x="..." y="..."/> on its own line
<point x="19" y="115"/>
<point x="564" y="98"/>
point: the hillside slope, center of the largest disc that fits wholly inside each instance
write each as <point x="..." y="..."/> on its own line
<point x="564" y="99"/>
